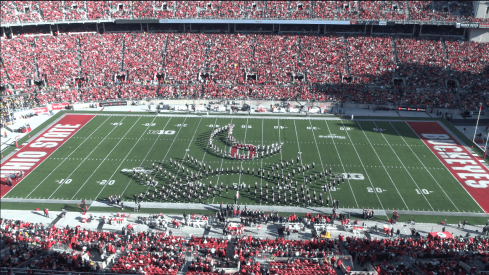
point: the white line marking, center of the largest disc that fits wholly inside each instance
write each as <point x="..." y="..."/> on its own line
<point x="366" y="173"/>
<point x="241" y="164"/>
<point x="382" y="134"/>
<point x="298" y="146"/>
<point x="64" y="159"/>
<point x="106" y="158"/>
<point x="86" y="158"/>
<point x="218" y="176"/>
<point x="322" y="165"/>
<point x="442" y="164"/>
<point x="141" y="163"/>
<point x="380" y="162"/>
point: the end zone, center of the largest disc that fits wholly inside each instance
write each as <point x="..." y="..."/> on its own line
<point x="35" y="152"/>
<point x="466" y="168"/>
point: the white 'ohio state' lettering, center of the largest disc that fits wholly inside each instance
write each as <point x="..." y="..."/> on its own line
<point x="58" y="133"/>
<point x="29" y="159"/>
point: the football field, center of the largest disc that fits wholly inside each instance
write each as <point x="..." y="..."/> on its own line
<point x="390" y="165"/>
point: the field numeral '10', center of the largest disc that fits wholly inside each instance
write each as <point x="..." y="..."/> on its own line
<point x="110" y="182"/>
<point x="422" y="191"/>
<point x="67" y="181"/>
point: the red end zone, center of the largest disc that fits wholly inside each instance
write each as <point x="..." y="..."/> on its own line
<point x="32" y="154"/>
<point x="465" y="167"/>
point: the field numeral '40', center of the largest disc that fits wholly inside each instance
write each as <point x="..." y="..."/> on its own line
<point x="110" y="182"/>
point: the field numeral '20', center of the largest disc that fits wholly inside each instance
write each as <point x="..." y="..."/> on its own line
<point x="110" y="182"/>
<point x="371" y="190"/>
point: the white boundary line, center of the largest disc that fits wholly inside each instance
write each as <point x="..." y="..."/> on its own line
<point x="106" y="156"/>
<point x="64" y="159"/>
<point x="423" y="163"/>
<point x="364" y="169"/>
<point x="380" y="162"/>
<point x="445" y="165"/>
<point x="133" y="175"/>
<point x="382" y="134"/>
<point x="322" y="165"/>
<point x="72" y="172"/>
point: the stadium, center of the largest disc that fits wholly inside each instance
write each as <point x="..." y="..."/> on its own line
<point x="244" y="137"/>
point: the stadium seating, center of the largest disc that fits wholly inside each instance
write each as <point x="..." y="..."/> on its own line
<point x="101" y="58"/>
<point x="17" y="56"/>
<point x="57" y="59"/>
<point x="49" y="11"/>
<point x="214" y="66"/>
<point x="422" y="61"/>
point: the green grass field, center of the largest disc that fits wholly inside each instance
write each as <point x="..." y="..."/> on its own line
<point x="392" y="169"/>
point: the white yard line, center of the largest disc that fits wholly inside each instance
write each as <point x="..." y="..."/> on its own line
<point x="106" y="156"/>
<point x="280" y="142"/>
<point x="429" y="170"/>
<point x="205" y="151"/>
<point x="133" y="175"/>
<point x="361" y="162"/>
<point x="163" y="160"/>
<point x="86" y="158"/>
<point x="67" y="156"/>
<point x="382" y="134"/>
<point x="300" y="152"/>
<point x="262" y="174"/>
<point x="322" y="166"/>
<point x="241" y="164"/>
<point x="380" y="163"/>
<point x="222" y="161"/>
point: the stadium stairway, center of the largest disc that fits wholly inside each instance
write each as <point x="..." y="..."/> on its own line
<point x="230" y="248"/>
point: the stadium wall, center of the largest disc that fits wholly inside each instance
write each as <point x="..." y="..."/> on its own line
<point x="479" y="35"/>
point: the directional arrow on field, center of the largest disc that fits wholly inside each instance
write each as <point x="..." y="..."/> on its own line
<point x="384" y="190"/>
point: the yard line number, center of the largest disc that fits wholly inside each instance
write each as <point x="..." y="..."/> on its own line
<point x="64" y="181"/>
<point x="106" y="182"/>
<point x="422" y="191"/>
<point x="377" y="189"/>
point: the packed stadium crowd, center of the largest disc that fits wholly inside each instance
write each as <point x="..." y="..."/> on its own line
<point x="131" y="66"/>
<point x="39" y="247"/>
<point x="49" y="11"/>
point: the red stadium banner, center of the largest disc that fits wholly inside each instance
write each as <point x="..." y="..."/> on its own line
<point x="40" y="110"/>
<point x="59" y="106"/>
